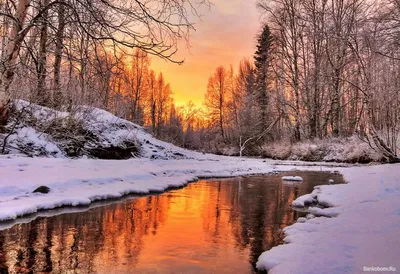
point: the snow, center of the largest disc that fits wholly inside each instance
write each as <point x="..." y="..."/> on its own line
<point x="359" y="228"/>
<point x="304" y="201"/>
<point x="292" y="178"/>
<point x="40" y="143"/>
<point x="83" y="181"/>
<point x="350" y="150"/>
<point x="109" y="129"/>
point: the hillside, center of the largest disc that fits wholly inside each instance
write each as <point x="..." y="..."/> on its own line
<point x="38" y="131"/>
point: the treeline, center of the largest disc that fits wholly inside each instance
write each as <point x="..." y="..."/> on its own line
<point x="321" y="69"/>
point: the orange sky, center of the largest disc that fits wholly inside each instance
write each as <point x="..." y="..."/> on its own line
<point x="224" y="35"/>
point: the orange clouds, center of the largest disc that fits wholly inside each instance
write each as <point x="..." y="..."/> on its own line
<point x="225" y="34"/>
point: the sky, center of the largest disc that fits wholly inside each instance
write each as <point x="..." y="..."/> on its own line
<point x="225" y="34"/>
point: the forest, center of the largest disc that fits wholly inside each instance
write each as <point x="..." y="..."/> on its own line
<point x="324" y="72"/>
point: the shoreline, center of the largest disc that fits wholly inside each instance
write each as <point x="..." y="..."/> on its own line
<point x="81" y="182"/>
<point x="358" y="229"/>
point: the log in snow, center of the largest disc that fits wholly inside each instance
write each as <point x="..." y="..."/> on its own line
<point x="292" y="178"/>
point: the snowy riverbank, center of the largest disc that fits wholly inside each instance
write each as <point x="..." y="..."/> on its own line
<point x="80" y="182"/>
<point x="364" y="233"/>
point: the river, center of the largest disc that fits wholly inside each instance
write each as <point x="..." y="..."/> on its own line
<point x="211" y="226"/>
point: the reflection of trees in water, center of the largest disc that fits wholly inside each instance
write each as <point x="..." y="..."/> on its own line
<point x="127" y="224"/>
<point x="265" y="211"/>
<point x="219" y="212"/>
<point x="246" y="211"/>
<point x="258" y="212"/>
<point x="3" y="266"/>
<point x="111" y="235"/>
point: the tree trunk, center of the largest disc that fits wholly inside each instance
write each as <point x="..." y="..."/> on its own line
<point x="295" y="62"/>
<point x="336" y="103"/>
<point x="11" y="56"/>
<point x="221" y="115"/>
<point x="4" y="39"/>
<point x="296" y="85"/>
<point x="42" y="97"/>
<point x="153" y="116"/>
<point x="58" y="96"/>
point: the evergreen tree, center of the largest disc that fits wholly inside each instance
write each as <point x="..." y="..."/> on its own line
<point x="262" y="62"/>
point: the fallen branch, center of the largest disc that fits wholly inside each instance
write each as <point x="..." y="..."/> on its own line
<point x="243" y="146"/>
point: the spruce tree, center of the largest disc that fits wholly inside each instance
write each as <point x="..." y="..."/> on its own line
<point x="262" y="62"/>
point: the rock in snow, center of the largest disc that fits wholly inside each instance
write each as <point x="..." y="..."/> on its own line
<point x="42" y="189"/>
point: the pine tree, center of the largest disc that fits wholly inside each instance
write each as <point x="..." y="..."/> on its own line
<point x="262" y="61"/>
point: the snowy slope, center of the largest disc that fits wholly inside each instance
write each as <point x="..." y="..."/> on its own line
<point x="39" y="132"/>
<point x="151" y="147"/>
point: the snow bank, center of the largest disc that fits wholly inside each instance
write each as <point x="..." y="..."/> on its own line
<point x="304" y="200"/>
<point x="34" y="143"/>
<point x="364" y="233"/>
<point x="348" y="150"/>
<point x="82" y="181"/>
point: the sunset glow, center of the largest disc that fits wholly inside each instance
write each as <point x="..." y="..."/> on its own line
<point x="225" y="34"/>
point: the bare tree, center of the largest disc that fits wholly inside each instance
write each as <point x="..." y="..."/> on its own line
<point x="286" y="22"/>
<point x="216" y="98"/>
<point x="58" y="96"/>
<point x="10" y="55"/>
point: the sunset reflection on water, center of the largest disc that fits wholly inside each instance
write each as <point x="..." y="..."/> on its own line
<point x="214" y="226"/>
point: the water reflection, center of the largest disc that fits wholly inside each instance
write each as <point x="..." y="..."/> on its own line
<point x="218" y="226"/>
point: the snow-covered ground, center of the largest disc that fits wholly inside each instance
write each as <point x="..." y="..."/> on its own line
<point x="292" y="178"/>
<point x="364" y="230"/>
<point x="348" y="150"/>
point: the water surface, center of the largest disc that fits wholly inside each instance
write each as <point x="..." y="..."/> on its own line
<point x="213" y="226"/>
